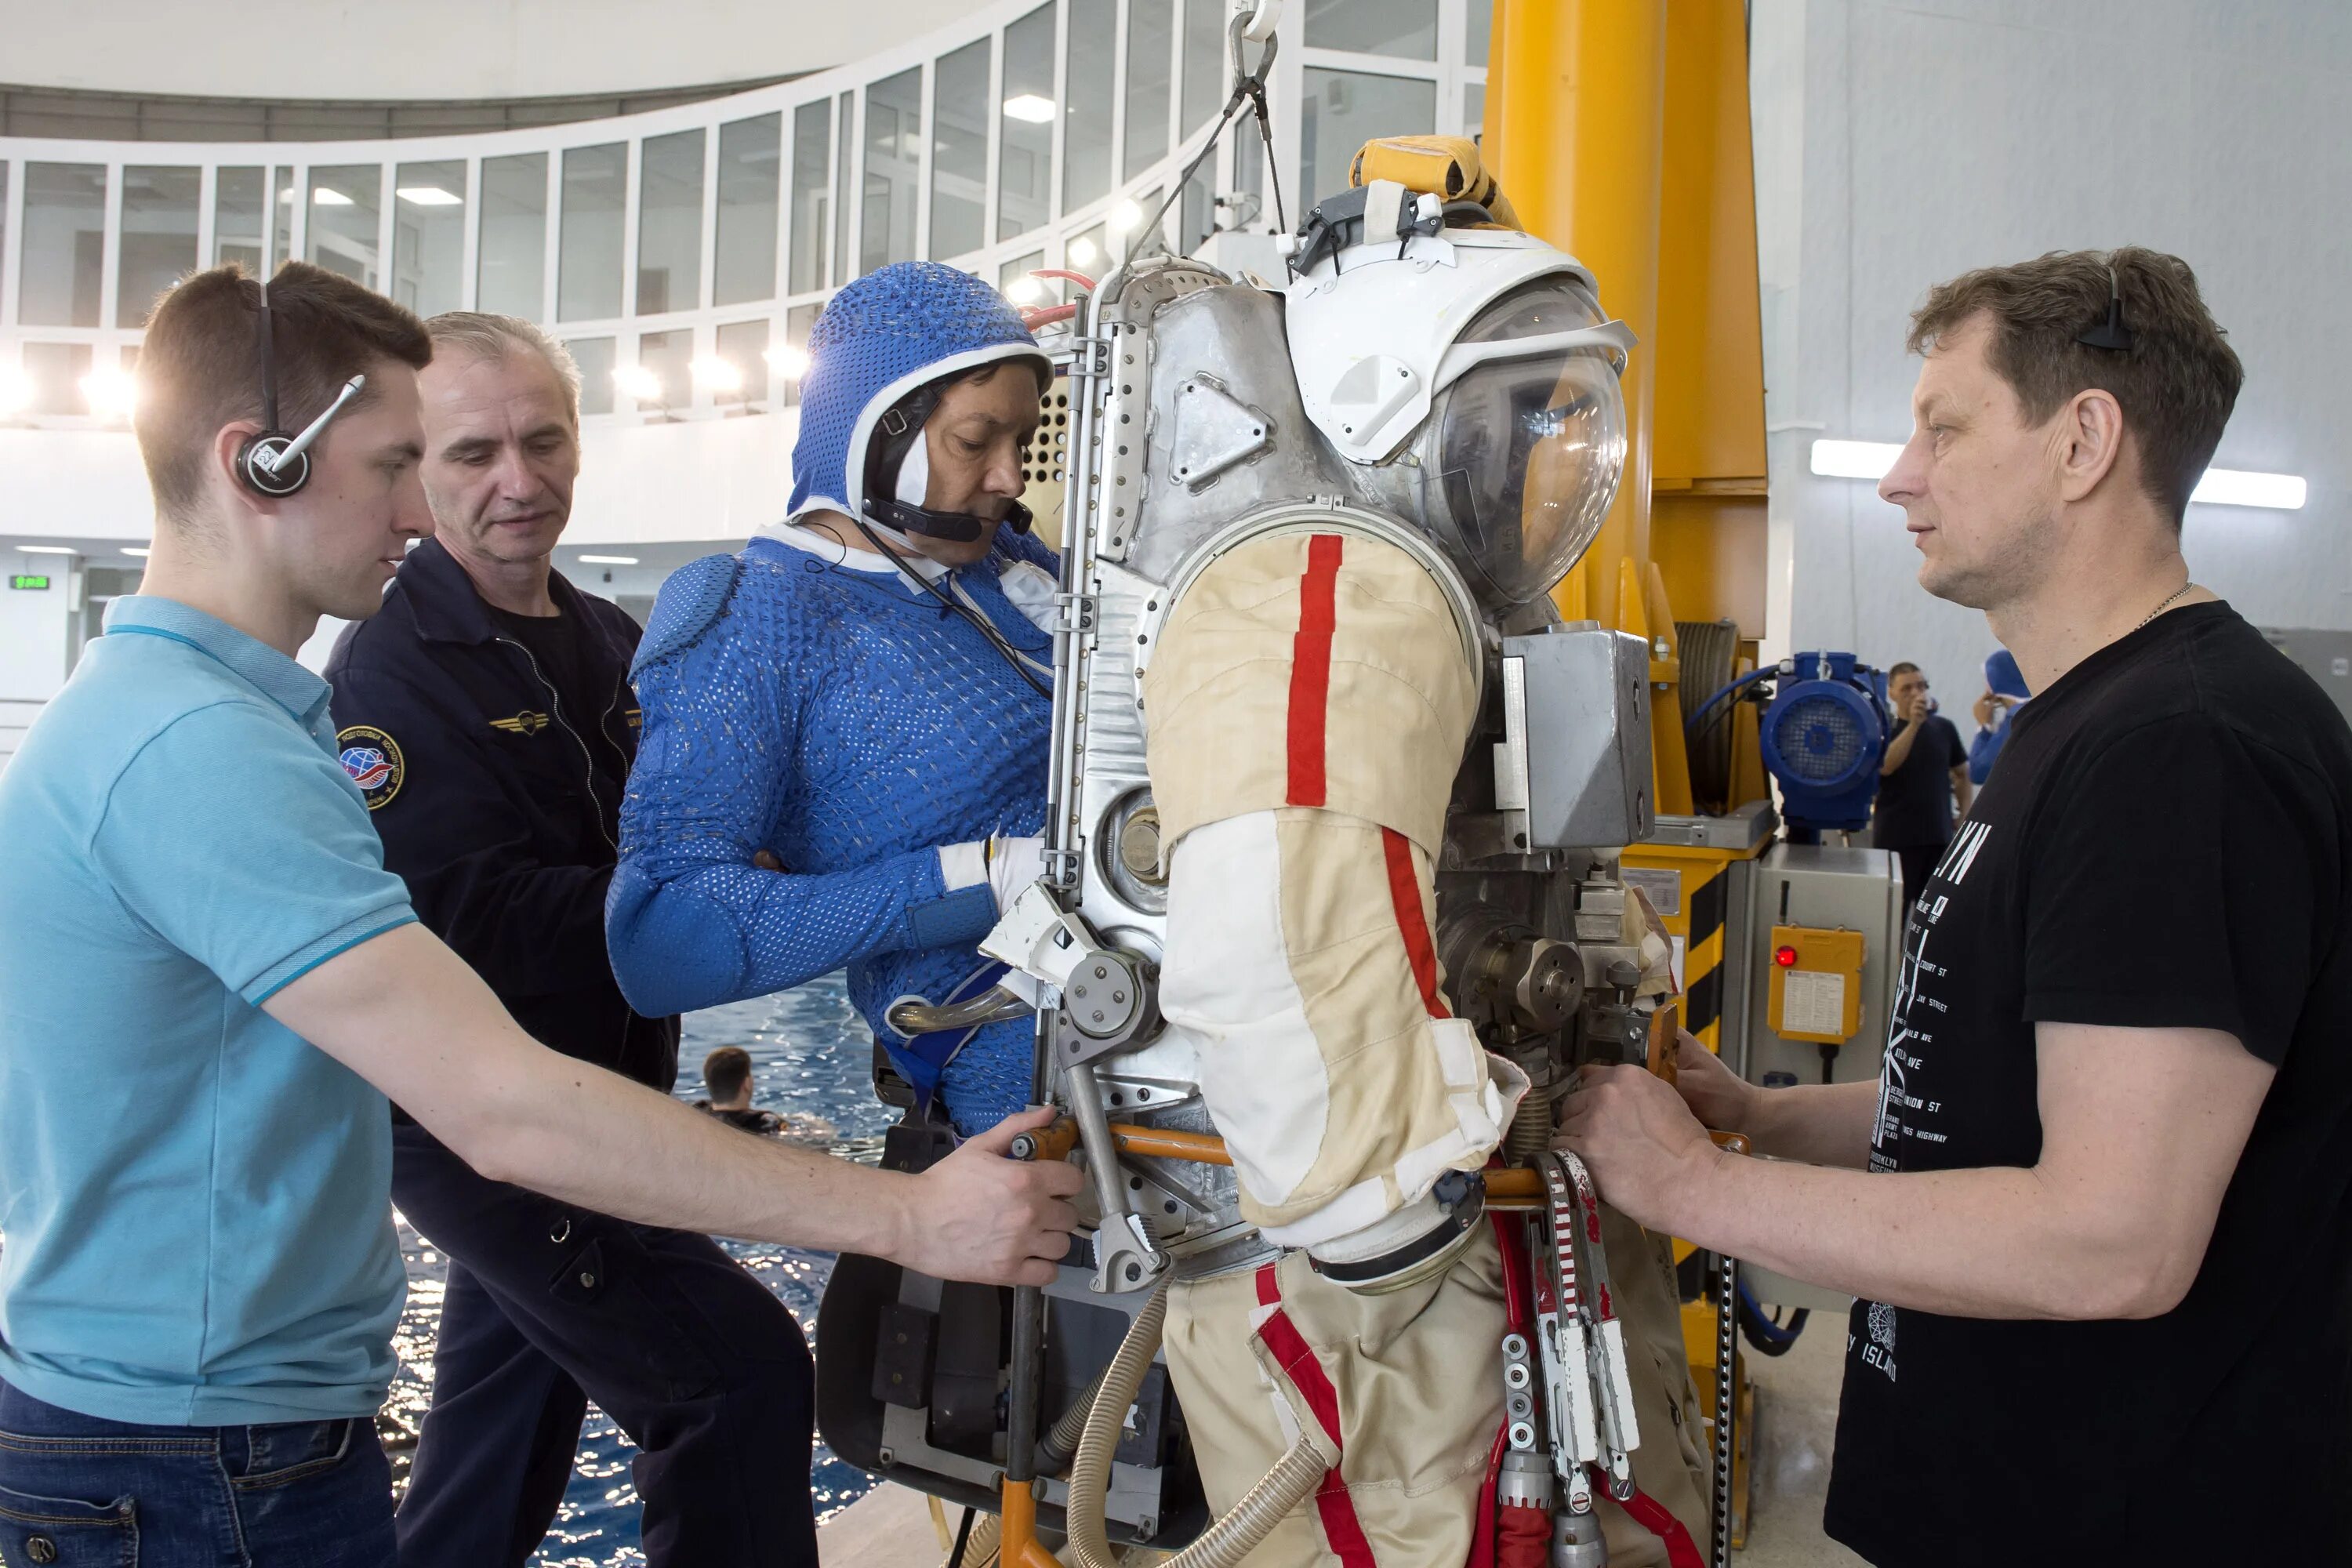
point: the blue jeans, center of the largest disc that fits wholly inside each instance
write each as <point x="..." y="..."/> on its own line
<point x="77" y="1491"/>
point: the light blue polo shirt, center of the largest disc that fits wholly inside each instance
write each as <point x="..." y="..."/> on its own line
<point x="197" y="1203"/>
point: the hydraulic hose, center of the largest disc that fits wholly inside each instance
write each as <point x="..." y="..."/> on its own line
<point x="1224" y="1544"/>
<point x="993" y="1006"/>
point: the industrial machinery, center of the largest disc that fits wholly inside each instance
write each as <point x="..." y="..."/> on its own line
<point x="1611" y="866"/>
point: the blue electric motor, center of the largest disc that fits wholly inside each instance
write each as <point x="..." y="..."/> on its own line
<point x="1825" y="727"/>
<point x="1823" y="734"/>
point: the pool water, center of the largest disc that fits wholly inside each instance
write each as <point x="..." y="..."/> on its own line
<point x="810" y="1056"/>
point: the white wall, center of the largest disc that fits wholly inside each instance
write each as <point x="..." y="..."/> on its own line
<point x="439" y="49"/>
<point x="1900" y="143"/>
<point x="35" y="628"/>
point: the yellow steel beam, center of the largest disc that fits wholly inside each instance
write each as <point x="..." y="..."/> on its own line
<point x="1575" y="131"/>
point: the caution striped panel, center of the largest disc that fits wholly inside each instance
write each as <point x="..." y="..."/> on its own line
<point x="1703" y="955"/>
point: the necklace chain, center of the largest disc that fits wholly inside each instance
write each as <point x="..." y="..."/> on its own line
<point x="2169" y="598"/>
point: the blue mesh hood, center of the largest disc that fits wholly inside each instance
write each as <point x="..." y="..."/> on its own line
<point x="881" y="337"/>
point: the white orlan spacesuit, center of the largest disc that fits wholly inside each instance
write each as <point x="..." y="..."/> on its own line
<point x="1307" y="524"/>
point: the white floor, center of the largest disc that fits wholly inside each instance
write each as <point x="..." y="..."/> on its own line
<point x="892" y="1526"/>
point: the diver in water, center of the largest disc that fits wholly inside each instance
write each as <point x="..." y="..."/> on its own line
<point x="845" y="724"/>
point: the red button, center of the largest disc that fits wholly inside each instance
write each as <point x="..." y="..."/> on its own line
<point x="1786" y="957"/>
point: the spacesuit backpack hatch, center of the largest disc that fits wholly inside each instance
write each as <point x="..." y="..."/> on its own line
<point x="1309" y="539"/>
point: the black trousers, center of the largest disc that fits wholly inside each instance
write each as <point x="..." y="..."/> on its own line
<point x="551" y="1306"/>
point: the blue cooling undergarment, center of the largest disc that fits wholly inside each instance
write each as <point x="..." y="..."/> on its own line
<point x="852" y="726"/>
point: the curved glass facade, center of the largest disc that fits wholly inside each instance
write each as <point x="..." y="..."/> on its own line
<point x="684" y="252"/>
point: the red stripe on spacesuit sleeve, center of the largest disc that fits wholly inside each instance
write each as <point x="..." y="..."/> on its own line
<point x="1404" y="891"/>
<point x="1333" y="1505"/>
<point x="1310" y="669"/>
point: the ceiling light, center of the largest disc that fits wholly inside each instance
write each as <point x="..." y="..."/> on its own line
<point x="1082" y="251"/>
<point x="1124" y="218"/>
<point x="718" y="374"/>
<point x="328" y="197"/>
<point x="635" y="381"/>
<point x="787" y="361"/>
<point x="608" y="561"/>
<point x="1855" y="460"/>
<point x="48" y="550"/>
<point x="2238" y="487"/>
<point x="429" y="197"/>
<point x="139" y="552"/>
<point x="1030" y="107"/>
<point x="15" y="389"/>
<point x="111" y="394"/>
<point x="1024" y="291"/>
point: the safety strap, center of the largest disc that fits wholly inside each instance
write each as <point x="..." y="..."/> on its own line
<point x="1336" y="1508"/>
<point x="1651" y="1515"/>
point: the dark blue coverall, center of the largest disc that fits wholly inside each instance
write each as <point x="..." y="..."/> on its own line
<point x="500" y="810"/>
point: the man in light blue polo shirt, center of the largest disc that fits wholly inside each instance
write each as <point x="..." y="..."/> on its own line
<point x="212" y="985"/>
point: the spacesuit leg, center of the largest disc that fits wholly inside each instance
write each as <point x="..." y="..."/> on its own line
<point x="1409" y="1379"/>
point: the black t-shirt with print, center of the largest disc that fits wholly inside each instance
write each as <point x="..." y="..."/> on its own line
<point x="2166" y="842"/>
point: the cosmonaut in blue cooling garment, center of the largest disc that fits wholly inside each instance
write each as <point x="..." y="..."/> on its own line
<point x="813" y="703"/>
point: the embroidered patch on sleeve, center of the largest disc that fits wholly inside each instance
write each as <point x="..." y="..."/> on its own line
<point x="372" y="759"/>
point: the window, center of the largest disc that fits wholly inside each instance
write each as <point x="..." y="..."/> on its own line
<point x="428" y="235"/>
<point x="1344" y="110"/>
<point x="894" y="151"/>
<point x="812" y="179"/>
<point x="844" y="141"/>
<point x="743" y="347"/>
<point x="1088" y="79"/>
<point x="594" y="358"/>
<point x="54" y="371"/>
<point x="346" y="221"/>
<point x="281" y="199"/>
<point x="669" y="357"/>
<point x="159" y="238"/>
<point x="60" y="272"/>
<point x="588" y="263"/>
<point x="1196" y="213"/>
<point x="959" y="151"/>
<point x="1474" y="109"/>
<point x="1013" y="279"/>
<point x="1478" y="32"/>
<point x="1150" y="36"/>
<point x="1083" y="253"/>
<point x="669" y="224"/>
<point x="1208" y="77"/>
<point x="751" y="163"/>
<point x="240" y="217"/>
<point x="792" y="361"/>
<point x="1406" y="28"/>
<point x="510" y="276"/>
<point x="1024" y="174"/>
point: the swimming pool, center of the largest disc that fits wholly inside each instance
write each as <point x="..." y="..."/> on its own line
<point x="809" y="1054"/>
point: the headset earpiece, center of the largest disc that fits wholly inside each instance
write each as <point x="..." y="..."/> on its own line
<point x="263" y="478"/>
<point x="271" y="462"/>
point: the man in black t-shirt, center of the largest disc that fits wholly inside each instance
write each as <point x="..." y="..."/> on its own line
<point x="1924" y="773"/>
<point x="2095" y="1211"/>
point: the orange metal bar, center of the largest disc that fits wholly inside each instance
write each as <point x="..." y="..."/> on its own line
<point x="1201" y="1147"/>
<point x="1017" y="1539"/>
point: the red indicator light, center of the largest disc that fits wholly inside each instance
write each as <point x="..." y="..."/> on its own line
<point x="1786" y="957"/>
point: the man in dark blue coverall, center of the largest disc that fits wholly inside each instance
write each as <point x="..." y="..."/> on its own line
<point x="490" y="706"/>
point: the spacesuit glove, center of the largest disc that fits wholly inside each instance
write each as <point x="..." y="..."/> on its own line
<point x="1006" y="865"/>
<point x="1012" y="865"/>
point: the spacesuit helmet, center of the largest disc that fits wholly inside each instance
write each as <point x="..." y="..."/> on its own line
<point x="1472" y="365"/>
<point x="880" y="355"/>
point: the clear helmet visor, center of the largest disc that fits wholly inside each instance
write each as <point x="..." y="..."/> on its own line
<point x="1521" y="458"/>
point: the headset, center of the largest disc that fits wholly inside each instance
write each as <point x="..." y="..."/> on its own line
<point x="271" y="462"/>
